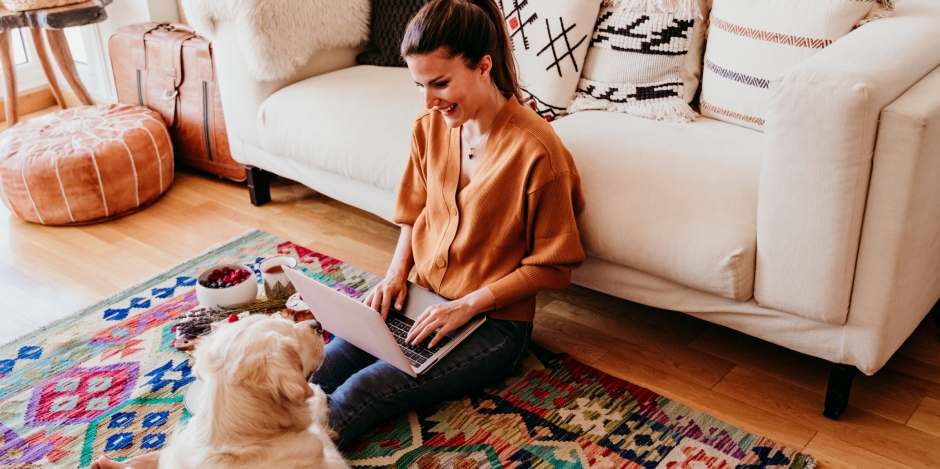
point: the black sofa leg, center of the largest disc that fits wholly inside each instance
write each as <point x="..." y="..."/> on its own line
<point x="840" y="383"/>
<point x="935" y="313"/>
<point x="259" y="187"/>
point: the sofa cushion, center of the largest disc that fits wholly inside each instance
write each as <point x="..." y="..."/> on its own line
<point x="674" y="200"/>
<point x="355" y="122"/>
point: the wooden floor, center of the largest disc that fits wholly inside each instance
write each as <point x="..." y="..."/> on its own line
<point x="893" y="420"/>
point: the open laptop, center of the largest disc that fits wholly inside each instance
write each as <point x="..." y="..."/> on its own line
<point x="363" y="327"/>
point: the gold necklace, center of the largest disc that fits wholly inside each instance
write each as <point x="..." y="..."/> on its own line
<point x="473" y="147"/>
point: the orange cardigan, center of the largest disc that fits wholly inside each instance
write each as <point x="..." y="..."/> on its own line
<point x="512" y="229"/>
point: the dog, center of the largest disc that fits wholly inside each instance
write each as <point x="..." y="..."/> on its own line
<point x="256" y="410"/>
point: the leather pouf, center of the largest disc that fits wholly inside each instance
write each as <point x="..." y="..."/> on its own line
<point x="85" y="165"/>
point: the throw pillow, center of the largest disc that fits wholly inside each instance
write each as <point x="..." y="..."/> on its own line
<point x="752" y="43"/>
<point x="550" y="40"/>
<point x="644" y="60"/>
<point x="389" y="19"/>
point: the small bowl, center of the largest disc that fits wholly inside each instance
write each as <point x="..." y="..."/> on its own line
<point x="227" y="296"/>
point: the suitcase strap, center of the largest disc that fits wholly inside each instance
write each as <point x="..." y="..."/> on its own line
<point x="170" y="66"/>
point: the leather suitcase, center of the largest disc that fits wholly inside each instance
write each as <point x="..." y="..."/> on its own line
<point x="168" y="68"/>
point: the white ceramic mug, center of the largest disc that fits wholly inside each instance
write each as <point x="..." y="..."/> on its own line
<point x="276" y="282"/>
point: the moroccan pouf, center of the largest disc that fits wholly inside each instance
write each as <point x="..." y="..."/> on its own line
<point x="85" y="165"/>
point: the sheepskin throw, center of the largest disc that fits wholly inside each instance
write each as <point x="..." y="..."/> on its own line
<point x="644" y="60"/>
<point x="752" y="43"/>
<point x="278" y="36"/>
<point x="549" y="41"/>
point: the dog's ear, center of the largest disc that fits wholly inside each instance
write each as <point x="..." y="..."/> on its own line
<point x="285" y="371"/>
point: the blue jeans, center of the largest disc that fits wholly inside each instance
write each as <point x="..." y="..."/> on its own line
<point x="362" y="390"/>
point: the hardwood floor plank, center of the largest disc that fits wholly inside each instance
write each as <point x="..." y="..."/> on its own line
<point x="864" y="429"/>
<point x="15" y="325"/>
<point x="833" y="453"/>
<point x="923" y="344"/>
<point x="561" y="335"/>
<point x="648" y="346"/>
<point x="681" y="327"/>
<point x="889" y="393"/>
<point x="927" y="417"/>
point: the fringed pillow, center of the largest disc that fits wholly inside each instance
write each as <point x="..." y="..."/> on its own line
<point x="645" y="59"/>
<point x="752" y="43"/>
<point x="550" y="40"/>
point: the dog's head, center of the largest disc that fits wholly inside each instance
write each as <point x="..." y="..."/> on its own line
<point x="262" y="360"/>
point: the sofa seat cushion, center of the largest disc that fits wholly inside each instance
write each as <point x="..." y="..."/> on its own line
<point x="355" y="122"/>
<point x="674" y="200"/>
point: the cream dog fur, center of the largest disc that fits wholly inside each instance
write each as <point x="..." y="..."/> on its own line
<point x="257" y="410"/>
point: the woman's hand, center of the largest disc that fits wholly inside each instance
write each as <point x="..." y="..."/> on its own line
<point x="445" y="317"/>
<point x="391" y="288"/>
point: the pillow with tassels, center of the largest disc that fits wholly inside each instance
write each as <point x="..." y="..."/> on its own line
<point x="645" y="59"/>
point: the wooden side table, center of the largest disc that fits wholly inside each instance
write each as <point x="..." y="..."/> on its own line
<point x="52" y="21"/>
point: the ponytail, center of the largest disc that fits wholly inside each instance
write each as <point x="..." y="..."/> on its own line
<point x="470" y="29"/>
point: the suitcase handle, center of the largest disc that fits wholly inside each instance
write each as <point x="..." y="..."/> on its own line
<point x="170" y="27"/>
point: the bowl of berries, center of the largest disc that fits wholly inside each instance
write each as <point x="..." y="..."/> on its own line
<point x="226" y="285"/>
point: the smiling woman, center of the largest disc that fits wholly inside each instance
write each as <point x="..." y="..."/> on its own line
<point x="487" y="207"/>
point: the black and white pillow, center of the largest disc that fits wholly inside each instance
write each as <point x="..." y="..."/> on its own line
<point x="550" y="40"/>
<point x="644" y="62"/>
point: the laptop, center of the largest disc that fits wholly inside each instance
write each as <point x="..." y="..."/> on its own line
<point x="363" y="327"/>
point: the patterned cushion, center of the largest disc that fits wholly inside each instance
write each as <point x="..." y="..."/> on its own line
<point x="389" y="19"/>
<point x="644" y="61"/>
<point x="85" y="165"/>
<point x="751" y="44"/>
<point x="550" y="40"/>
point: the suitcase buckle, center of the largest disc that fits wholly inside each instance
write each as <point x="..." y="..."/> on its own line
<point x="168" y="96"/>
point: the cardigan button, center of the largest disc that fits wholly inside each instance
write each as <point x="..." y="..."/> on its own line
<point x="453" y="211"/>
<point x="440" y="262"/>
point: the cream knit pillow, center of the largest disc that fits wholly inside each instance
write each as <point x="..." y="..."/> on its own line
<point x="645" y="59"/>
<point x="754" y="42"/>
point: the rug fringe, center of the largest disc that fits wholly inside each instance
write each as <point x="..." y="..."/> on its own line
<point x="130" y="290"/>
<point x="673" y="110"/>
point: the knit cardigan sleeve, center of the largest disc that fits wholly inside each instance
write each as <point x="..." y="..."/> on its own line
<point x="412" y="192"/>
<point x="554" y="245"/>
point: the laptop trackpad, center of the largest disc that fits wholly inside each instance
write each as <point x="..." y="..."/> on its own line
<point x="419" y="299"/>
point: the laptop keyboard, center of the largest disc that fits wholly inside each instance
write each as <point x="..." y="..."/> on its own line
<point x="400" y="324"/>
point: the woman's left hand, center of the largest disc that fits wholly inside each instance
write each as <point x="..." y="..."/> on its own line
<point x="445" y="317"/>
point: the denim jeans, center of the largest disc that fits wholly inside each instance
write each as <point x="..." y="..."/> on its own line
<point x="362" y="390"/>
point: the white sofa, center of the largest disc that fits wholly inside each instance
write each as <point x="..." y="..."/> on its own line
<point x="821" y="234"/>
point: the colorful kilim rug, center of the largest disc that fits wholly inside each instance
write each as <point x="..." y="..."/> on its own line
<point x="107" y="381"/>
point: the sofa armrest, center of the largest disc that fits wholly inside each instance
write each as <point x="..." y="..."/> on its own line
<point x="821" y="124"/>
<point x="242" y="94"/>
<point x="898" y="275"/>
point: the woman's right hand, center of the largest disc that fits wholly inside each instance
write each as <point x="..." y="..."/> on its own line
<point x="391" y="288"/>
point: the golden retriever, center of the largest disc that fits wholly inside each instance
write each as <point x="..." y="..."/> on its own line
<point x="256" y="409"/>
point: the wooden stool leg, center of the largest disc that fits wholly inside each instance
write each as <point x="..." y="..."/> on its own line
<point x="9" y="77"/>
<point x="63" y="56"/>
<point x="39" y="42"/>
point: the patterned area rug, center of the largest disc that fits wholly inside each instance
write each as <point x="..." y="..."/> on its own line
<point x="107" y="381"/>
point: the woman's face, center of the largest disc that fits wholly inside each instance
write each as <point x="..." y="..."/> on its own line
<point x="450" y="87"/>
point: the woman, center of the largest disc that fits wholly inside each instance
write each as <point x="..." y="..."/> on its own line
<point x="487" y="211"/>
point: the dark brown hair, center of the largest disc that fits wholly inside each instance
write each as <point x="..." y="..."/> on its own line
<point x="469" y="29"/>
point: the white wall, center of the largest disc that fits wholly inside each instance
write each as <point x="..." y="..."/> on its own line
<point x="98" y="78"/>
